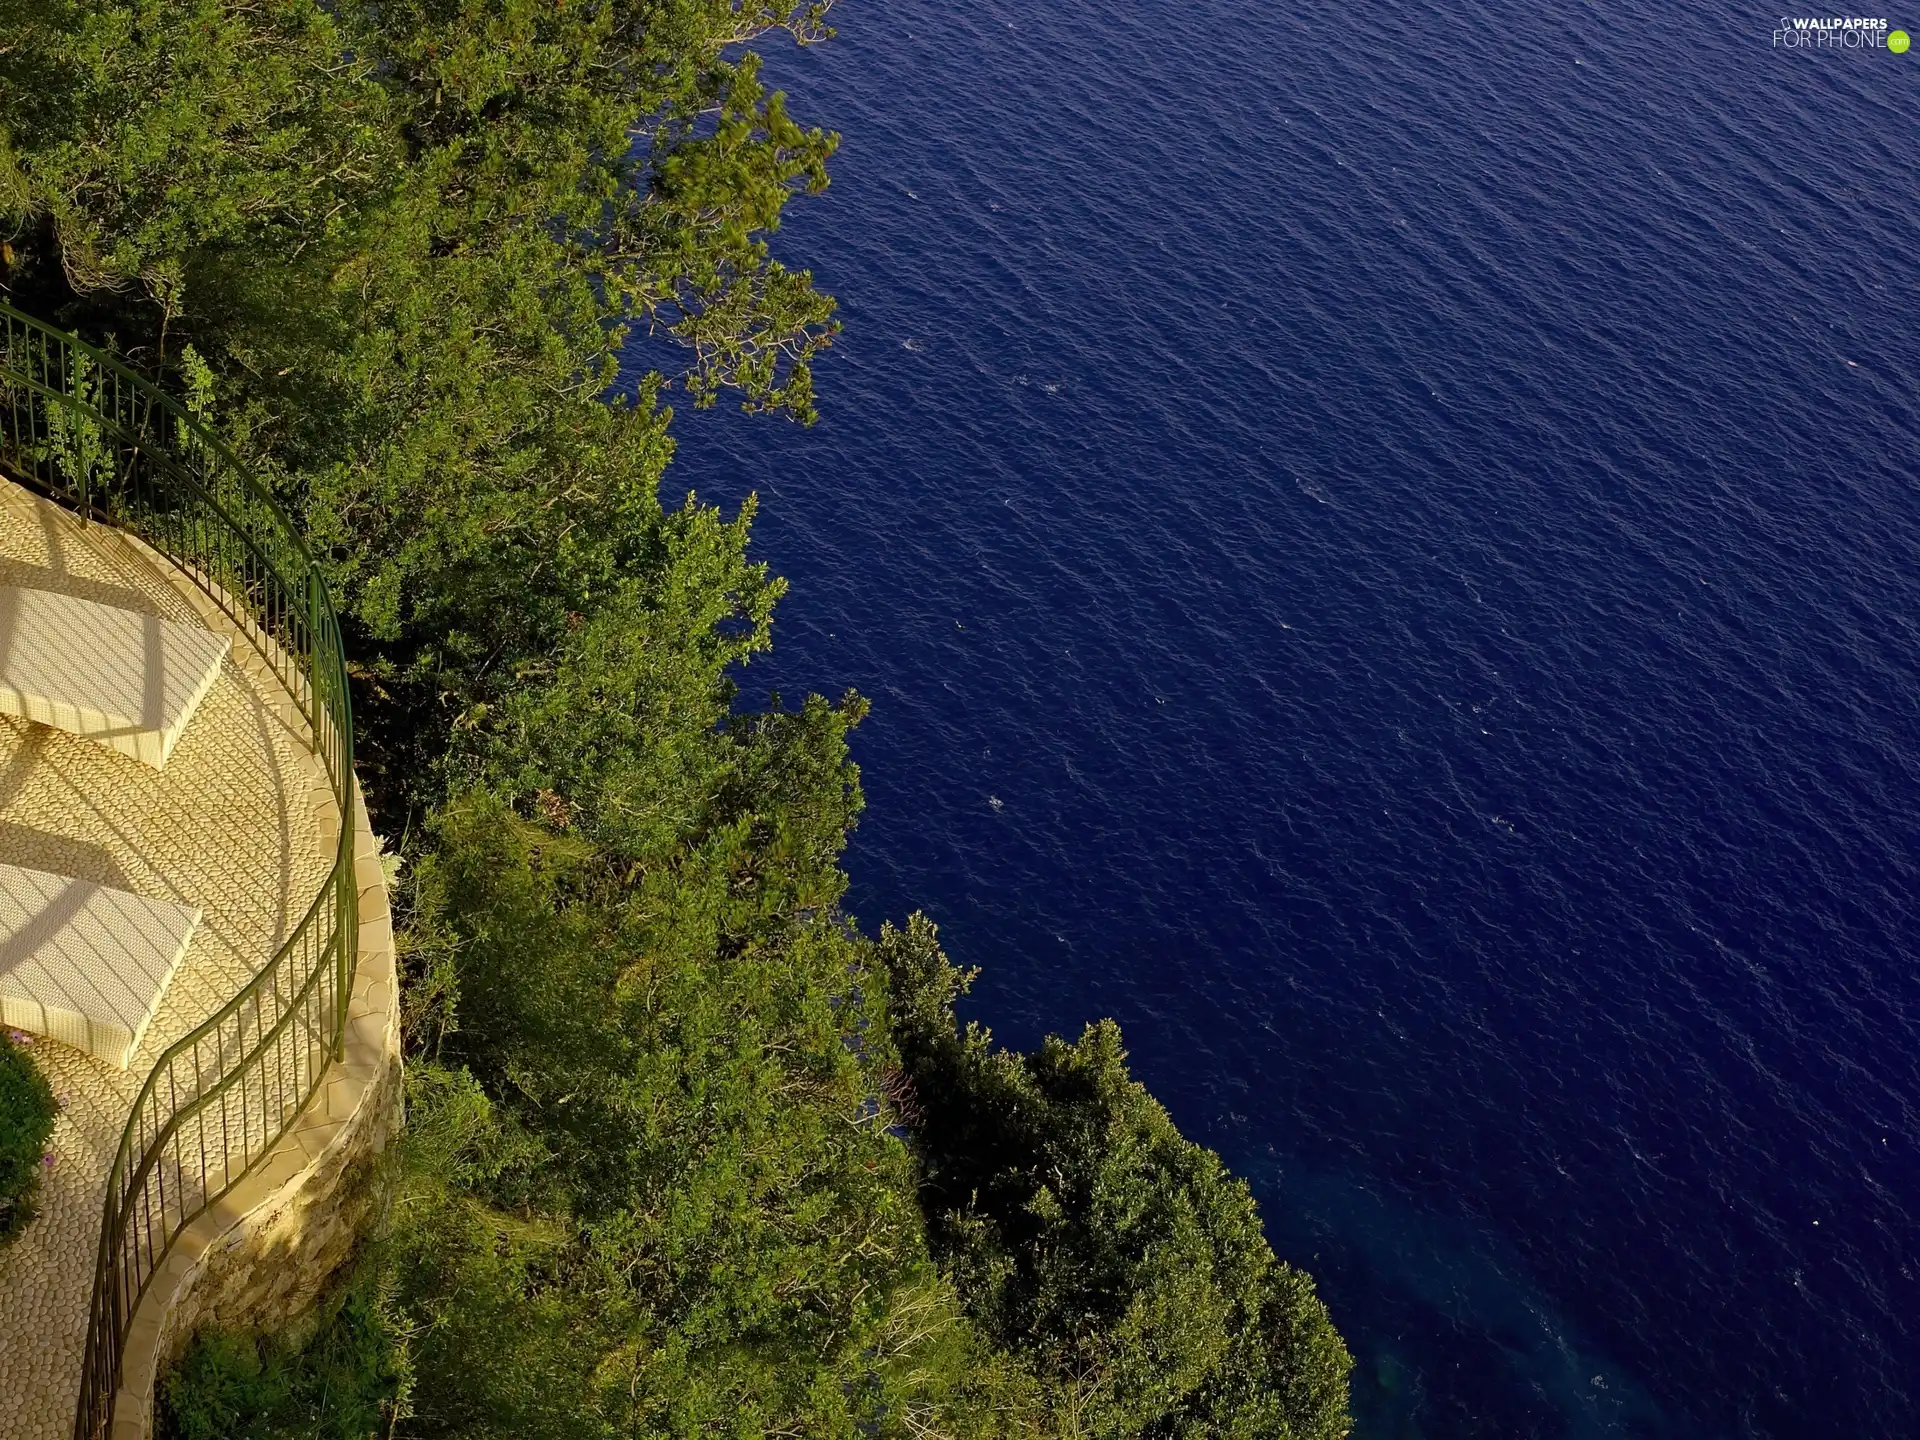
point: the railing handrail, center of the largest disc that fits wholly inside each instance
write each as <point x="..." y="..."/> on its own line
<point x="267" y="605"/>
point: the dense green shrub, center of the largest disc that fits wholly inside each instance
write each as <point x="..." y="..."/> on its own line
<point x="344" y="1382"/>
<point x="27" y="1113"/>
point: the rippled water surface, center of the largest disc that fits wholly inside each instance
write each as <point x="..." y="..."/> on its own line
<point x="1385" y="546"/>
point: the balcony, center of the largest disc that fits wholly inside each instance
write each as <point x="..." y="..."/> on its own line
<point x="198" y="913"/>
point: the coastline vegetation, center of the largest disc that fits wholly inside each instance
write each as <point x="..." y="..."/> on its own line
<point x="687" y="1152"/>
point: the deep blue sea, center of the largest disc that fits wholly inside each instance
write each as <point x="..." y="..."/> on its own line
<point x="1385" y="546"/>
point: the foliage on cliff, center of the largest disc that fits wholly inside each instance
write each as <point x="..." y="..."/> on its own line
<point x="1120" y="1263"/>
<point x="687" y="1154"/>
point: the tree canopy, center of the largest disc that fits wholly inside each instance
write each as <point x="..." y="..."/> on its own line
<point x="409" y="242"/>
<point x="1120" y="1263"/>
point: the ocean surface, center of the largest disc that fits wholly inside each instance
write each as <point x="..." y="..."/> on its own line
<point x="1385" y="546"/>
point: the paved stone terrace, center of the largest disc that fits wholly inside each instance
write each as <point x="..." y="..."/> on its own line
<point x="238" y="823"/>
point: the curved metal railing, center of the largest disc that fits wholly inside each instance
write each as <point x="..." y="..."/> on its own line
<point x="84" y="429"/>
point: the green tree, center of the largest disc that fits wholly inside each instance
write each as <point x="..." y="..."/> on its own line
<point x="1120" y="1261"/>
<point x="656" y="1178"/>
<point x="410" y="241"/>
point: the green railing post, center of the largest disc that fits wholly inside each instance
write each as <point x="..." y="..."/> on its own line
<point x="315" y="606"/>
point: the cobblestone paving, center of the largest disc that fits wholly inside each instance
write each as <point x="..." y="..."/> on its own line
<point x="225" y="826"/>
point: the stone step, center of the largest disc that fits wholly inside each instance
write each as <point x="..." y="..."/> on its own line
<point x="85" y="964"/>
<point x="127" y="680"/>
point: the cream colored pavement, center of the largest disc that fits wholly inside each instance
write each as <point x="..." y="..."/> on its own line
<point x="229" y="826"/>
<point x="123" y="677"/>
